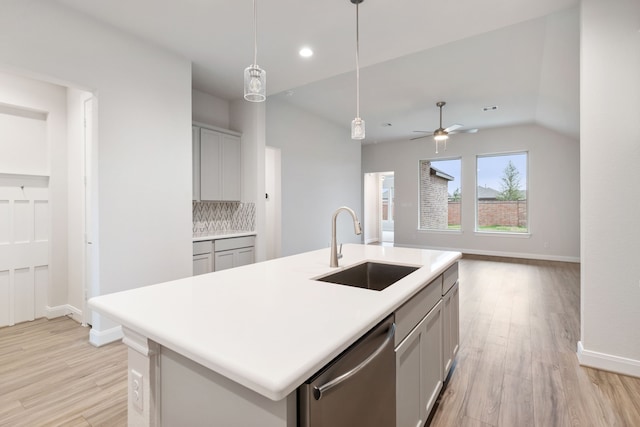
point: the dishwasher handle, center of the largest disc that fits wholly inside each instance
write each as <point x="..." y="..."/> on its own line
<point x="318" y="391"/>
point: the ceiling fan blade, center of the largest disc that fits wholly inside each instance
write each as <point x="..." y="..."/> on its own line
<point x="453" y="127"/>
<point x="419" y="137"/>
<point x="463" y="131"/>
<point x="430" y="132"/>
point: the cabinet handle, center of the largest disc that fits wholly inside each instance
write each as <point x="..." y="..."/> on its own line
<point x="318" y="391"/>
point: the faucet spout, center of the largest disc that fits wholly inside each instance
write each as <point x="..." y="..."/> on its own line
<point x="356" y="228"/>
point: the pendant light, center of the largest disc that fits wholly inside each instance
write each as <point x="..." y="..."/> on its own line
<point x="357" y="125"/>
<point x="255" y="78"/>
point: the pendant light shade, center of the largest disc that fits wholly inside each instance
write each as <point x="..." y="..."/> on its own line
<point x="255" y="78"/>
<point x="357" y="125"/>
<point x="255" y="84"/>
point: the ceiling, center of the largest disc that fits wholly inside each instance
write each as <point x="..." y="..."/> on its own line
<point x="521" y="55"/>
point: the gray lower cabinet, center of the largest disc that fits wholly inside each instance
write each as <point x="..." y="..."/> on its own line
<point x="202" y="257"/>
<point x="426" y="343"/>
<point x="233" y="252"/>
<point x="220" y="254"/>
<point x="419" y="370"/>
<point x="450" y="328"/>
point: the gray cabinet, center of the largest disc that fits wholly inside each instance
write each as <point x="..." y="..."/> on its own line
<point x="233" y="252"/>
<point x="217" y="165"/>
<point x="202" y="257"/>
<point x="426" y="343"/>
<point x="450" y="318"/>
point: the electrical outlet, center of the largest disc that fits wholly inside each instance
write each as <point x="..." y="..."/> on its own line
<point x="136" y="389"/>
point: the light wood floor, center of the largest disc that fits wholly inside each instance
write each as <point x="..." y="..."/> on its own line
<point x="51" y="376"/>
<point x="516" y="366"/>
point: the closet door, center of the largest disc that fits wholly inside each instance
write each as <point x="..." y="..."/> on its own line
<point x="24" y="250"/>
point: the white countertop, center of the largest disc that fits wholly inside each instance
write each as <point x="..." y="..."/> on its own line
<point x="221" y="235"/>
<point x="269" y="326"/>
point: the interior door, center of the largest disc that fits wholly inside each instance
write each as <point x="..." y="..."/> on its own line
<point x="24" y="248"/>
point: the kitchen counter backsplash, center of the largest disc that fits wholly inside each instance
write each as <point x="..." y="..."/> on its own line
<point x="216" y="217"/>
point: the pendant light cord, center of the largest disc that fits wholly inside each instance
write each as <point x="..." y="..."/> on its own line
<point x="255" y="33"/>
<point x="357" y="61"/>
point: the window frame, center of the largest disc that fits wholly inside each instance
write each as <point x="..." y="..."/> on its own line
<point x="512" y="234"/>
<point x="438" y="230"/>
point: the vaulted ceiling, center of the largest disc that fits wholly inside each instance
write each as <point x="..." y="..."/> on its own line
<point x="521" y="55"/>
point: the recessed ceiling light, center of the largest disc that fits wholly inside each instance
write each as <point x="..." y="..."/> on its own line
<point x="306" y="52"/>
<point x="490" y="108"/>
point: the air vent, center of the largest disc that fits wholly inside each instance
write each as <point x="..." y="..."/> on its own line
<point x="490" y="108"/>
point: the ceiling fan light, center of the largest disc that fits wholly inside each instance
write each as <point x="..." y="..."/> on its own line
<point x="357" y="128"/>
<point x="255" y="79"/>
<point x="441" y="137"/>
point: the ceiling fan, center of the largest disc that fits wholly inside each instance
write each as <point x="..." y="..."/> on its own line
<point x="442" y="134"/>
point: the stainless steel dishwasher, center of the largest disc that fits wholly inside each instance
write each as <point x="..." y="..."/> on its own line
<point x="358" y="388"/>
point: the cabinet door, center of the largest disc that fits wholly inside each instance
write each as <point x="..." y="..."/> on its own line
<point x="231" y="168"/>
<point x="447" y="357"/>
<point x="450" y="328"/>
<point x="244" y="256"/>
<point x="432" y="357"/>
<point x="223" y="260"/>
<point x="454" y="342"/>
<point x="195" y="166"/>
<point x="410" y="410"/>
<point x="202" y="264"/>
<point x="210" y="175"/>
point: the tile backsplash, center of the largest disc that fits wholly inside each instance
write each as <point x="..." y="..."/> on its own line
<point x="217" y="217"/>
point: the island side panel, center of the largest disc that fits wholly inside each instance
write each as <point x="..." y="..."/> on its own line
<point x="196" y="396"/>
<point x="143" y="380"/>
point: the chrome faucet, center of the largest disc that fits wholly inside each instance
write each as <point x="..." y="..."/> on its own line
<point x="356" y="226"/>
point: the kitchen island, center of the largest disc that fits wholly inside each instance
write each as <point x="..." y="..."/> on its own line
<point x="236" y="344"/>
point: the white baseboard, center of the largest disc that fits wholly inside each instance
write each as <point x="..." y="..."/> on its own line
<point x="63" y="310"/>
<point x="100" y="338"/>
<point x="543" y="257"/>
<point x="608" y="362"/>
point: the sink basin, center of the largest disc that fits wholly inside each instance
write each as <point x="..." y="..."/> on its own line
<point x="369" y="275"/>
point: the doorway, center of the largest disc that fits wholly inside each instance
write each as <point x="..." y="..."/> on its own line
<point x="273" y="215"/>
<point x="379" y="208"/>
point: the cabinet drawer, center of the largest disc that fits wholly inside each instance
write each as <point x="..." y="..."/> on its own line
<point x="234" y="243"/>
<point x="203" y="247"/>
<point x="450" y="277"/>
<point x="412" y="312"/>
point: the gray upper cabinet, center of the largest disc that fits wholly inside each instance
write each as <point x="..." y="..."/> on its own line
<point x="217" y="165"/>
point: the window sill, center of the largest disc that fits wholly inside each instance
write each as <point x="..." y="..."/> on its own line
<point x="423" y="230"/>
<point x="503" y="234"/>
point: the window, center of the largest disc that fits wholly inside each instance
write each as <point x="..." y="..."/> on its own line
<point x="501" y="196"/>
<point x="440" y="194"/>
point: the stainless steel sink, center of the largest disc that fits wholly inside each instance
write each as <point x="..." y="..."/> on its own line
<point x="369" y="275"/>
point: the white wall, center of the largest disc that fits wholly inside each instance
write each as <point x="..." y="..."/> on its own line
<point x="210" y="109"/>
<point x="553" y="184"/>
<point x="610" y="152"/>
<point x="320" y="173"/>
<point x="144" y="146"/>
<point x="249" y="118"/>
